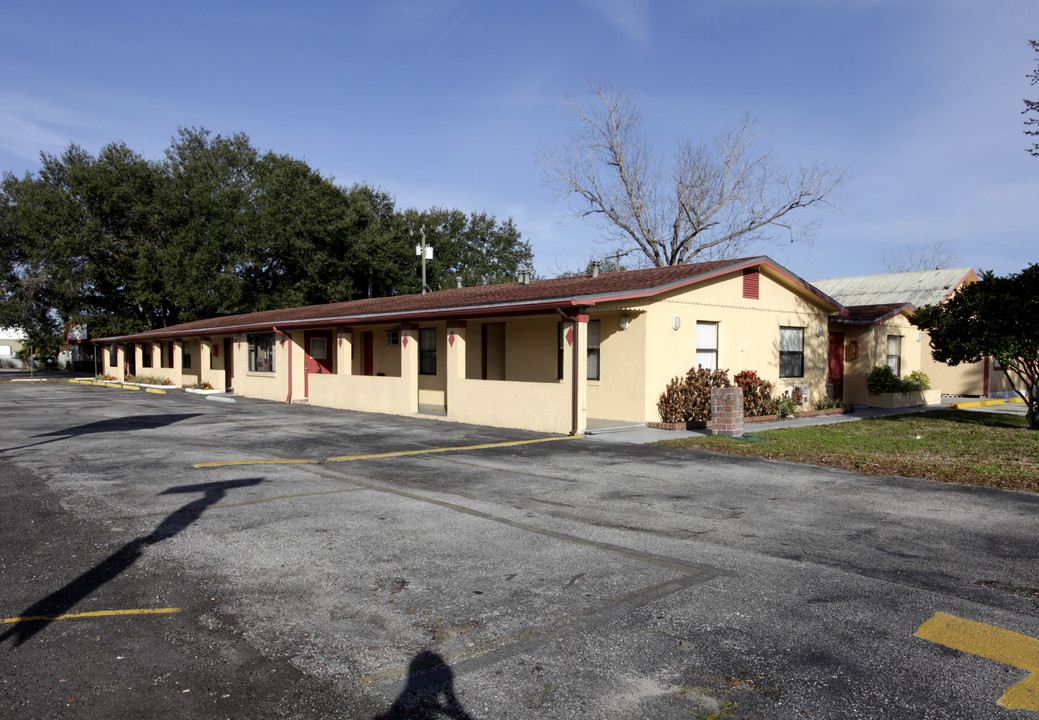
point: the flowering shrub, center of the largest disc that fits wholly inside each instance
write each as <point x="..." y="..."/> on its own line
<point x="756" y="392"/>
<point x="148" y="380"/>
<point x="202" y="385"/>
<point x="688" y="399"/>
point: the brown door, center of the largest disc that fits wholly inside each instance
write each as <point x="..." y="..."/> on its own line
<point x="228" y="364"/>
<point x="369" y="353"/>
<point x="835" y="369"/>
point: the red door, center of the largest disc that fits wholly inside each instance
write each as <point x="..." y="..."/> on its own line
<point x="369" y="353"/>
<point x="228" y="364"/>
<point x="835" y="369"/>
<point x="317" y="356"/>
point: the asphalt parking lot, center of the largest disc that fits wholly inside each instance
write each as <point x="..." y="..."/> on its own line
<point x="167" y="555"/>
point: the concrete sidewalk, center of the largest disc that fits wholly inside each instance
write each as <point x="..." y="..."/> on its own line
<point x="642" y="434"/>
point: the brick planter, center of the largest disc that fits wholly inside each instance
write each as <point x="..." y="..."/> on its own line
<point x="727" y="411"/>
<point x="691" y="425"/>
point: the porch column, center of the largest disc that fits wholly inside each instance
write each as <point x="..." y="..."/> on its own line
<point x="344" y="351"/>
<point x="178" y="362"/>
<point x="205" y="353"/>
<point x="580" y="388"/>
<point x="456" y="332"/>
<point x="409" y="360"/>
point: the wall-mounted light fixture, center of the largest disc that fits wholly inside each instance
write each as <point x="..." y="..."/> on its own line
<point x="919" y="336"/>
<point x="625" y="322"/>
<point x="676" y="322"/>
<point x="818" y="330"/>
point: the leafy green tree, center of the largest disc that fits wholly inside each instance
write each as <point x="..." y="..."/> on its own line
<point x="997" y="317"/>
<point x="125" y="244"/>
<point x="475" y="247"/>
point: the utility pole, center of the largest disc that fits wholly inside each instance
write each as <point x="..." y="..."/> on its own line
<point x="425" y="252"/>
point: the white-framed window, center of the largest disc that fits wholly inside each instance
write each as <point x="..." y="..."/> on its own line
<point x="5" y="351"/>
<point x="707" y="345"/>
<point x="393" y="337"/>
<point x="594" y="334"/>
<point x="147" y="349"/>
<point x="261" y="352"/>
<point x="427" y="351"/>
<point x="791" y="352"/>
<point x="894" y="354"/>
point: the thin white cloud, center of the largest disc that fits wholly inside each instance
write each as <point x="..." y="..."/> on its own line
<point x="30" y="125"/>
<point x="631" y="17"/>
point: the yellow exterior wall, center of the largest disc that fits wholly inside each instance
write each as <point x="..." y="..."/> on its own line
<point x="748" y="334"/>
<point x="872" y="342"/>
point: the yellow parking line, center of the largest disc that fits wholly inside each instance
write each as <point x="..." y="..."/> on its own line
<point x="273" y="461"/>
<point x="427" y="451"/>
<point x="398" y="453"/>
<point x="992" y="643"/>
<point x="96" y="613"/>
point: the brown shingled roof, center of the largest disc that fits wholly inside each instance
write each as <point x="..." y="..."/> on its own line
<point x="565" y="292"/>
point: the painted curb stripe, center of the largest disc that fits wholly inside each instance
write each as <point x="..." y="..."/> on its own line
<point x="428" y="451"/>
<point x="130" y="387"/>
<point x="155" y="390"/>
<point x="96" y="613"/>
<point x="991" y="643"/>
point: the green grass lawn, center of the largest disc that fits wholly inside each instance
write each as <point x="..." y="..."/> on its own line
<point x="974" y="448"/>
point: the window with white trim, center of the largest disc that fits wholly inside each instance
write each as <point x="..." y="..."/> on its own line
<point x="594" y="332"/>
<point x="261" y="352"/>
<point x="427" y="351"/>
<point x="791" y="352"/>
<point x="707" y="345"/>
<point x="894" y="354"/>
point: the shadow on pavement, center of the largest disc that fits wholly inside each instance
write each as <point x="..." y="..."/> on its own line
<point x="429" y="693"/>
<point x="122" y="424"/>
<point x="41" y="614"/>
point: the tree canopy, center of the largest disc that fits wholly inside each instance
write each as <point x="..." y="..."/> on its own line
<point x="997" y="317"/>
<point x="126" y="244"/>
<point x="710" y="202"/>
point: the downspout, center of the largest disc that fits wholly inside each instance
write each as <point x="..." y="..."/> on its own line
<point x="289" y="337"/>
<point x="575" y="410"/>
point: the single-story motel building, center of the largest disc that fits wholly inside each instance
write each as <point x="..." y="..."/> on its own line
<point x="546" y="355"/>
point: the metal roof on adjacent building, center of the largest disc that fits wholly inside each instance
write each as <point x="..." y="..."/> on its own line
<point x="929" y="287"/>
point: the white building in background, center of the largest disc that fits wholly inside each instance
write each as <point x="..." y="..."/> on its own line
<point x="11" y="341"/>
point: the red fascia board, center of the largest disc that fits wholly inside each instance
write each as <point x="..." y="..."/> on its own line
<point x="907" y="307"/>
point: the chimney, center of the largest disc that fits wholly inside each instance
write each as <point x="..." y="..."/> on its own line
<point x="596" y="267"/>
<point x="524" y="275"/>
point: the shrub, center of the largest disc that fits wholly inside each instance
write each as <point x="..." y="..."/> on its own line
<point x="756" y="392"/>
<point x="783" y="406"/>
<point x="917" y="380"/>
<point x="688" y="399"/>
<point x="148" y="380"/>
<point x="828" y="403"/>
<point x="202" y="385"/>
<point x="882" y="379"/>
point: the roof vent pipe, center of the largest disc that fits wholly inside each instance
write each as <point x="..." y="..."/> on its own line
<point x="458" y="279"/>
<point x="524" y="275"/>
<point x="596" y="267"/>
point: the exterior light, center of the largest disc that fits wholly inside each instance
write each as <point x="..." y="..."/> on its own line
<point x="625" y="322"/>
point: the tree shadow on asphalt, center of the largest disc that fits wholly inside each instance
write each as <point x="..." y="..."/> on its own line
<point x="122" y="424"/>
<point x="39" y="615"/>
<point x="429" y="693"/>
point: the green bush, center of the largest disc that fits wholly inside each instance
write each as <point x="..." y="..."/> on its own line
<point x="148" y="380"/>
<point x="756" y="392"/>
<point x="882" y="379"/>
<point x="688" y="399"/>
<point x="917" y="380"/>
<point x="783" y="406"/>
<point x="828" y="403"/>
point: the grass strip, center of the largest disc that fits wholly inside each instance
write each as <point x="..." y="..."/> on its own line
<point x="972" y="448"/>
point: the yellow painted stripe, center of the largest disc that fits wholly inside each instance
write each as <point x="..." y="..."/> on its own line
<point x="155" y="390"/>
<point x="96" y="613"/>
<point x="992" y="643"/>
<point x="427" y="451"/>
<point x="273" y="461"/>
<point x="130" y="387"/>
<point x="112" y="385"/>
<point x="1015" y="399"/>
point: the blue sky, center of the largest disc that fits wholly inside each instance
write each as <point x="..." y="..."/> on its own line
<point x="446" y="102"/>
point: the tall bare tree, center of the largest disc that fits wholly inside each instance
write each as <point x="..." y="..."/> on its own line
<point x="712" y="201"/>
<point x="928" y="255"/>
<point x="1032" y="106"/>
